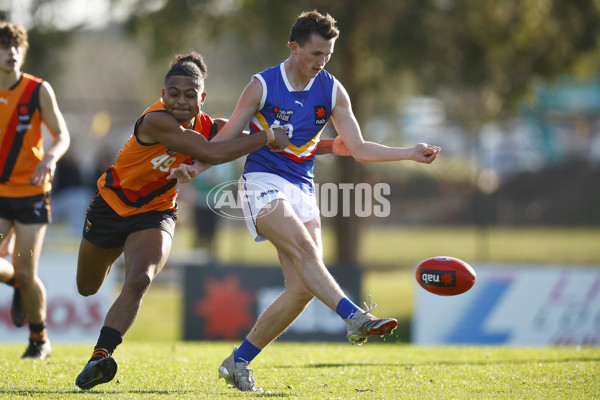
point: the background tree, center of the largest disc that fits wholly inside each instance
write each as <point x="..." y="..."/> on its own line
<point x="482" y="58"/>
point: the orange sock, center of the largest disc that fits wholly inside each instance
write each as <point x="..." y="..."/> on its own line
<point x="41" y="336"/>
<point x="99" y="353"/>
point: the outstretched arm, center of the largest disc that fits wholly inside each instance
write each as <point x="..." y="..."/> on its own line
<point x="246" y="107"/>
<point x="333" y="146"/>
<point x="164" y="128"/>
<point x="348" y="129"/>
<point x="186" y="172"/>
<point x="55" y="122"/>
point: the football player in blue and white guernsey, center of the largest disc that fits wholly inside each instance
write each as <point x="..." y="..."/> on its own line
<point x="277" y="188"/>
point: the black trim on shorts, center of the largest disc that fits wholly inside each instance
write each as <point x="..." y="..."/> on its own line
<point x="27" y="210"/>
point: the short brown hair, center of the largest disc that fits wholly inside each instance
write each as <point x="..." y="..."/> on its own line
<point x="13" y="34"/>
<point x="310" y="22"/>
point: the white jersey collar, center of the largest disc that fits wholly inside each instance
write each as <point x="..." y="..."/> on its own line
<point x="287" y="82"/>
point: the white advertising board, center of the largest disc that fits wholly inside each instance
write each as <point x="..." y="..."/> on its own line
<point x="70" y="316"/>
<point x="514" y="305"/>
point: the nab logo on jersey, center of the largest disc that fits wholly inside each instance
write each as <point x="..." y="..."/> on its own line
<point x="320" y="115"/>
<point x="283" y="115"/>
<point x="24" y="117"/>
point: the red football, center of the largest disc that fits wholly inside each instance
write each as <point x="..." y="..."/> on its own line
<point x="445" y="276"/>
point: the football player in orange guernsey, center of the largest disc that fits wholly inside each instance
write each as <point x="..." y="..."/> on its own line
<point x="26" y="174"/>
<point x="134" y="211"/>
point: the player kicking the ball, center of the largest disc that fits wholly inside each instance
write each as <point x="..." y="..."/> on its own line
<point x="300" y="95"/>
<point x="134" y="210"/>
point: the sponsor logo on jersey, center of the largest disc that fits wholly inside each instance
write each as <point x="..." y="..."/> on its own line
<point x="283" y="115"/>
<point x="24" y="118"/>
<point x="320" y="115"/>
<point x="171" y="152"/>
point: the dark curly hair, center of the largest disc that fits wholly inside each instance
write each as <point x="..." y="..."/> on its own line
<point x="190" y="64"/>
<point x="13" y="34"/>
<point x="310" y="22"/>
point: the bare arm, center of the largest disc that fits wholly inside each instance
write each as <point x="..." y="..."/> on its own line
<point x="348" y="129"/>
<point x="185" y="172"/>
<point x="325" y="147"/>
<point x="163" y="128"/>
<point x="53" y="118"/>
<point x="233" y="129"/>
<point x="333" y="146"/>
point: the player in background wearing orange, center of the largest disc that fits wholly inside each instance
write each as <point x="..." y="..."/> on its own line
<point x="135" y="210"/>
<point x="301" y="95"/>
<point x="26" y="173"/>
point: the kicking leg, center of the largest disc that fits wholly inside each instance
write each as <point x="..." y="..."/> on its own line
<point x="296" y="243"/>
<point x="289" y="235"/>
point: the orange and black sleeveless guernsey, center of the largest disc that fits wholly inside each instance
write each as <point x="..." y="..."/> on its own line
<point x="137" y="182"/>
<point x="21" y="141"/>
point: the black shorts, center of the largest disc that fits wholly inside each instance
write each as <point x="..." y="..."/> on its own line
<point x="107" y="229"/>
<point x="26" y="210"/>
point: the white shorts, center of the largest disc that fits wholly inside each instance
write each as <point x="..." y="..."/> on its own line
<point x="258" y="189"/>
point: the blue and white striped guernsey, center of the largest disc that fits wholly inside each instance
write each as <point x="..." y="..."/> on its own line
<point x="304" y="113"/>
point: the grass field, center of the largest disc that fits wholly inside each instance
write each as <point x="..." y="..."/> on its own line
<point x="389" y="255"/>
<point x="155" y="364"/>
<point x="392" y="247"/>
<point x="179" y="370"/>
<point x="394" y="297"/>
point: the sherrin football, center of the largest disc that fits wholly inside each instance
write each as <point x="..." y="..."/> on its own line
<point x="445" y="276"/>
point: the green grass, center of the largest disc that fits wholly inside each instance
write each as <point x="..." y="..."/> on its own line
<point x="314" y="371"/>
<point x="388" y="273"/>
<point x="161" y="316"/>
<point x="155" y="364"/>
<point x="394" y="297"/>
<point x="393" y="247"/>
